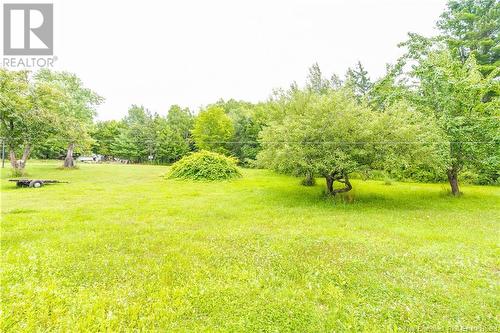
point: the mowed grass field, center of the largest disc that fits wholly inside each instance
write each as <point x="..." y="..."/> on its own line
<point x="120" y="248"/>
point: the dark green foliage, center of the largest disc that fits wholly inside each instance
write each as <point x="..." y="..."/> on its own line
<point x="205" y="165"/>
<point x="53" y="148"/>
<point x="471" y="27"/>
<point x="489" y="171"/>
<point x="181" y="120"/>
<point x="136" y="141"/>
<point x="170" y="145"/>
<point x="248" y="120"/>
<point x="126" y="148"/>
<point x="141" y="135"/>
<point x="248" y="123"/>
<point x="358" y="81"/>
<point x="245" y="146"/>
<point x="104" y="135"/>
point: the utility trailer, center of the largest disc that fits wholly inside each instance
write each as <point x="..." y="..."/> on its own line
<point x="35" y="183"/>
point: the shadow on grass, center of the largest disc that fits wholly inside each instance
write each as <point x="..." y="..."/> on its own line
<point x="20" y="211"/>
<point x="367" y="196"/>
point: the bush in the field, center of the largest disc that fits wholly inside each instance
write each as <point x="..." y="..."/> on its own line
<point x="205" y="165"/>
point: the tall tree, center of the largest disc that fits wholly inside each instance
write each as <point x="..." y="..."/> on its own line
<point x="27" y="113"/>
<point x="315" y="80"/>
<point x="170" y="144"/>
<point x="453" y="92"/>
<point x="137" y="141"/>
<point x="472" y="27"/>
<point x="76" y="112"/>
<point x="335" y="82"/>
<point x="390" y="88"/>
<point x="104" y="136"/>
<point x="181" y="120"/>
<point x="213" y="130"/>
<point x="248" y="120"/>
<point x="358" y="81"/>
<point x="125" y="147"/>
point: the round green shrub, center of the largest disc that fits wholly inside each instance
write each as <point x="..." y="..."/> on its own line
<point x="205" y="165"/>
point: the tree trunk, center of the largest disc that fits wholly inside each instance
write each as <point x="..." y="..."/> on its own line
<point x="329" y="184"/>
<point x="19" y="165"/>
<point x="69" y="161"/>
<point x="24" y="158"/>
<point x="343" y="178"/>
<point x="347" y="184"/>
<point x="13" y="159"/>
<point x="453" y="179"/>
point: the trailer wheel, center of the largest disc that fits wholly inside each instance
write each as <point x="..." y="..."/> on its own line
<point x="36" y="183"/>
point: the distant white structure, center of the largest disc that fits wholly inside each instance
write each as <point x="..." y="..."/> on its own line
<point x="90" y="159"/>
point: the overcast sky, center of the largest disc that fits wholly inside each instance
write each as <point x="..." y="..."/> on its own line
<point x="193" y="52"/>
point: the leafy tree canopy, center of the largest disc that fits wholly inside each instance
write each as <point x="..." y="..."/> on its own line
<point x="331" y="136"/>
<point x="458" y="96"/>
<point x="213" y="130"/>
<point x="472" y="27"/>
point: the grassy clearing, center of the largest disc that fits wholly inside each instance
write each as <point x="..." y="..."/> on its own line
<point x="122" y="248"/>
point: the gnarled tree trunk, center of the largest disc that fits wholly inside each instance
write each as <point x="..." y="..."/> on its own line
<point x="19" y="165"/>
<point x="329" y="184"/>
<point x="69" y="161"/>
<point x="453" y="179"/>
<point x="13" y="159"/>
<point x="24" y="158"/>
<point x="341" y="178"/>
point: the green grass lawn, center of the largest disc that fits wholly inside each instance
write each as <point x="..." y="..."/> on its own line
<point x="121" y="248"/>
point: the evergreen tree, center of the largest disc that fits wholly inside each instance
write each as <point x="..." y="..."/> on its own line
<point x="315" y="80"/>
<point x="358" y="81"/>
<point x="472" y="27"/>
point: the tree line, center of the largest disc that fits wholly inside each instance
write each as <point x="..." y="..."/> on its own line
<point x="433" y="116"/>
<point x="229" y="128"/>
